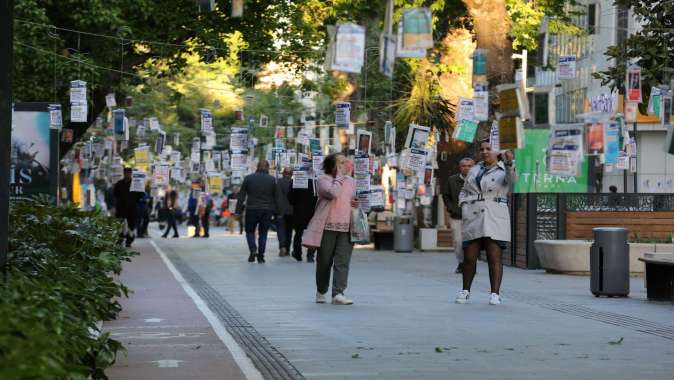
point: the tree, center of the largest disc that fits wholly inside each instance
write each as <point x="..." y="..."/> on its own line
<point x="103" y="42"/>
<point x="650" y="47"/>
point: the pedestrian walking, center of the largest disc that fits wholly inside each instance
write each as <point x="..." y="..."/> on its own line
<point x="232" y="200"/>
<point x="204" y="208"/>
<point x="304" y="205"/>
<point x="171" y="209"/>
<point x="328" y="230"/>
<point x="486" y="218"/>
<point x="258" y="194"/>
<point x="126" y="205"/>
<point x="144" y="210"/>
<point x="451" y="199"/>
<point x="192" y="202"/>
<point x="284" y="222"/>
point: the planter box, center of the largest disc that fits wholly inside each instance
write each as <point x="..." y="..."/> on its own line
<point x="573" y="256"/>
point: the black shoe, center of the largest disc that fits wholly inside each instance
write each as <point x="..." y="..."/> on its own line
<point x="260" y="259"/>
<point x="175" y="236"/>
<point x="251" y="258"/>
<point x="297" y="256"/>
<point x="206" y="236"/>
<point x="164" y="236"/>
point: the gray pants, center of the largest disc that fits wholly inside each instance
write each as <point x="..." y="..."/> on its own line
<point x="335" y="254"/>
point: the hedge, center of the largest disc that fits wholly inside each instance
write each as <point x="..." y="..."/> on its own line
<point x="57" y="285"/>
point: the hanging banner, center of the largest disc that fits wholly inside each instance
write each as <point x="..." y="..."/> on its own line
<point x="510" y="132"/>
<point x="78" y="92"/>
<point x="634" y="84"/>
<point x="531" y="168"/>
<point x="466" y="131"/>
<point x="300" y="179"/>
<point x="387" y="45"/>
<point x="349" y="48"/>
<point x="566" y="67"/>
<point x="118" y="122"/>
<point x="417" y="136"/>
<point x="479" y="62"/>
<point x="417" y="29"/>
<point x="481" y="101"/>
<point x="342" y="114"/>
<point x="565" y="151"/>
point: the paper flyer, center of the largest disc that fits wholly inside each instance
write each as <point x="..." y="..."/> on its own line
<point x="300" y="179"/>
<point x="137" y="182"/>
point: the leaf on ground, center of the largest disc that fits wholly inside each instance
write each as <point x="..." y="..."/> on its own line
<point x="439" y="349"/>
<point x="616" y="342"/>
<point x="355" y="356"/>
<point x="509" y="349"/>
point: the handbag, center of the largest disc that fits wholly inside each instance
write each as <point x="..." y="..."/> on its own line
<point x="360" y="229"/>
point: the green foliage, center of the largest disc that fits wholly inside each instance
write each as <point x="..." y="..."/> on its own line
<point x="650" y="47"/>
<point x="527" y="16"/>
<point x="59" y="283"/>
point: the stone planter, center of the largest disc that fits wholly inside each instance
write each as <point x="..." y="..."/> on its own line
<point x="573" y="256"/>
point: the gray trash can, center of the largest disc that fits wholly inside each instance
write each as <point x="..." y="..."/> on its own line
<point x="403" y="235"/>
<point x="610" y="262"/>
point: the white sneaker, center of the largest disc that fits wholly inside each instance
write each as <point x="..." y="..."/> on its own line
<point x="463" y="296"/>
<point x="341" y="300"/>
<point x="495" y="299"/>
<point x="321" y="298"/>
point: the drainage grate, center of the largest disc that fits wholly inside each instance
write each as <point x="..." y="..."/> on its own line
<point x="615" y="319"/>
<point x="268" y="360"/>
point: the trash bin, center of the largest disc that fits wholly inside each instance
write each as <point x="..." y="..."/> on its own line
<point x="610" y="262"/>
<point x="403" y="235"/>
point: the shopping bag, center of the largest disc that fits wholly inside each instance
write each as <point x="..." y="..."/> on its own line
<point x="360" y="229"/>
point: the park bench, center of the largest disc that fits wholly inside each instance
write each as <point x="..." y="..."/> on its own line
<point x="659" y="276"/>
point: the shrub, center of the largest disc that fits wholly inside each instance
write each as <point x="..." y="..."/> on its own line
<point x="58" y="285"/>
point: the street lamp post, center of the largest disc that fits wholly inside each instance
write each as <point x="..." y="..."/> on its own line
<point x="6" y="70"/>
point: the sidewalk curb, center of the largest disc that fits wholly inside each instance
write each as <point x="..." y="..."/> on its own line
<point x="239" y="355"/>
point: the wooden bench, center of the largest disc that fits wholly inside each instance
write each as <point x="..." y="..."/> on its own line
<point x="659" y="276"/>
<point x="645" y="224"/>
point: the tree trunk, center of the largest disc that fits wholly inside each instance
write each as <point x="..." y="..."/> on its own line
<point x="492" y="28"/>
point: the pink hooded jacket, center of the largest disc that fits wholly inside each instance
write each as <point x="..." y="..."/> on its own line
<point x="329" y="190"/>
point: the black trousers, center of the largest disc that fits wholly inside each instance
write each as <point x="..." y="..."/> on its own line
<point x="205" y="224"/>
<point x="171" y="223"/>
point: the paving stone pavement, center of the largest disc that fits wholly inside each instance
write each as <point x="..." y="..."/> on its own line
<point x="405" y="325"/>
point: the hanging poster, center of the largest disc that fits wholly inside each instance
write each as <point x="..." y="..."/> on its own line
<point x="237" y="8"/>
<point x="417" y="29"/>
<point x="634" y="84"/>
<point x="55" y="117"/>
<point x="494" y="140"/>
<point x="138" y="179"/>
<point x="466" y="131"/>
<point x="532" y="172"/>
<point x="239" y="160"/>
<point x="238" y="139"/>
<point x="177" y="174"/>
<point x="317" y="164"/>
<point x="508" y="133"/>
<point x="214" y="183"/>
<point x="387" y="45"/>
<point x="362" y="182"/>
<point x="176" y="156"/>
<point x="417" y="159"/>
<point x="403" y="52"/>
<point x="153" y="123"/>
<point x="159" y="143"/>
<point x="349" y="48"/>
<point x="315" y="145"/>
<point x="361" y="164"/>
<point x="481" y="101"/>
<point x="206" y="121"/>
<point x="479" y="62"/>
<point x="566" y="67"/>
<point x="612" y="143"/>
<point x="417" y="136"/>
<point x="78" y="112"/>
<point x="110" y="101"/>
<point x="290" y="132"/>
<point x="666" y="109"/>
<point x="161" y="175"/>
<point x="565" y="151"/>
<point x="466" y="110"/>
<point x="364" y="139"/>
<point x="118" y="122"/>
<point x="264" y="121"/>
<point x="654" y="101"/>
<point x="342" y="114"/>
<point x="594" y="132"/>
<point x="300" y="179"/>
<point x="78" y="92"/>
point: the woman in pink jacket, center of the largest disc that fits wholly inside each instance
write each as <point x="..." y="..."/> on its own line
<point x="329" y="229"/>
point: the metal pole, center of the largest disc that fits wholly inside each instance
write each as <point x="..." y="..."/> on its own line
<point x="636" y="170"/>
<point x="6" y="70"/>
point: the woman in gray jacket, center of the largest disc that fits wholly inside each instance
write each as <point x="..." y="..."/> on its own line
<point x="486" y="219"/>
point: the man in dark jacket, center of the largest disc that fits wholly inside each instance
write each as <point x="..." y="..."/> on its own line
<point x="126" y="204"/>
<point x="451" y="199"/>
<point x="284" y="222"/>
<point x="304" y="205"/>
<point x="259" y="195"/>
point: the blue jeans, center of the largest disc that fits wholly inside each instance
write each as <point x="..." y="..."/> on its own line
<point x="260" y="219"/>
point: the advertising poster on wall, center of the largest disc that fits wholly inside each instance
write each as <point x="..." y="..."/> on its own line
<point x="532" y="173"/>
<point x="34" y="155"/>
